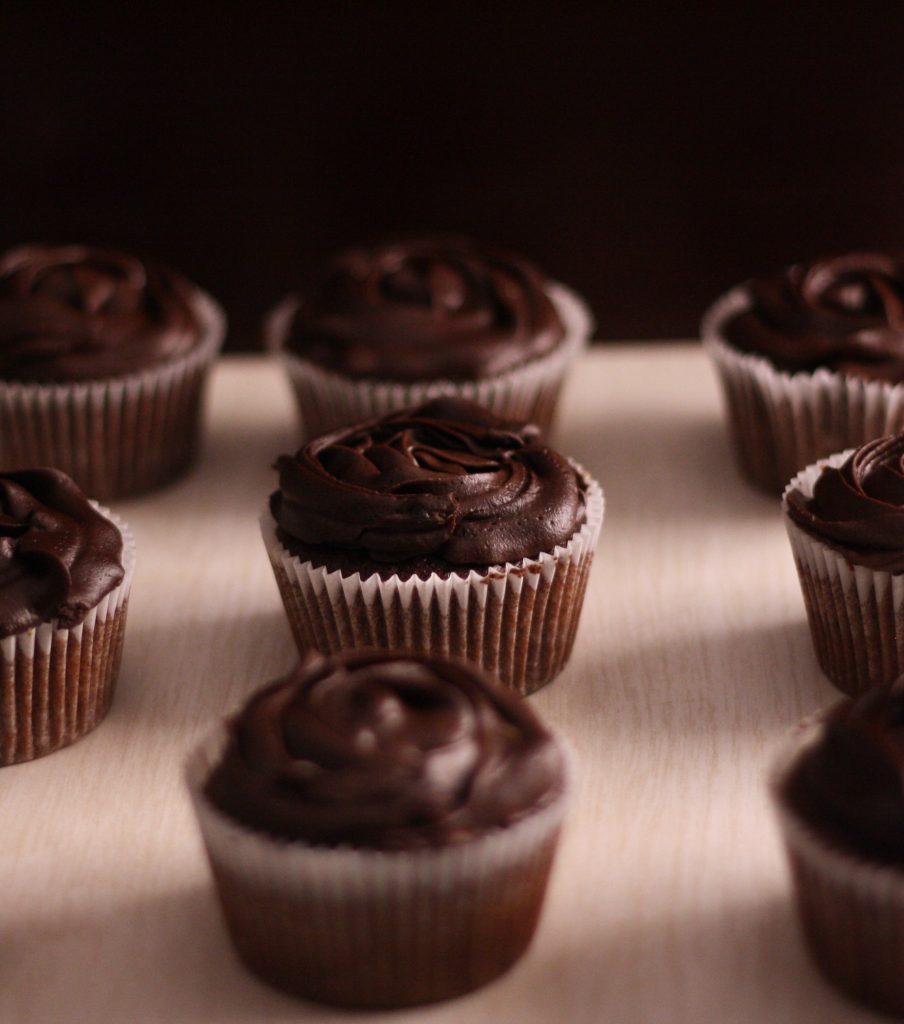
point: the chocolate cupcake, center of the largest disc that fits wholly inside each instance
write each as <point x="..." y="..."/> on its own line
<point x="380" y="828"/>
<point x="811" y="361"/>
<point x="839" y="794"/>
<point x="103" y="360"/>
<point x="442" y="530"/>
<point x="845" y="519"/>
<point x="65" y="575"/>
<point x="389" y="326"/>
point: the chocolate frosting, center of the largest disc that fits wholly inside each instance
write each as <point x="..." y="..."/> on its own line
<point x="850" y="785"/>
<point x="858" y="507"/>
<point x="447" y="481"/>
<point x="425" y="308"/>
<point x="71" y="313"/>
<point x="384" y="751"/>
<point x="845" y="313"/>
<point x="58" y="555"/>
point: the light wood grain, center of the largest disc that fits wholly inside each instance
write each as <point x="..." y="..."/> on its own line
<point x="670" y="899"/>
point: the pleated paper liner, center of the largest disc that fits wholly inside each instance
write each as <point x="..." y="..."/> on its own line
<point x="57" y="684"/>
<point x="527" y="393"/>
<point x="856" y="614"/>
<point x="116" y="437"/>
<point x="851" y="910"/>
<point x="376" y="929"/>
<point x="518" y="620"/>
<point x="780" y="422"/>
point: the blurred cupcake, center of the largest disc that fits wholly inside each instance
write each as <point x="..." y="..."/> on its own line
<point x="380" y="828"/>
<point x="103" y="360"/>
<point x="845" y="520"/>
<point x="65" y="575"/>
<point x="811" y="361"/>
<point x="392" y="325"/>
<point x="839" y="794"/>
<point x="442" y="530"/>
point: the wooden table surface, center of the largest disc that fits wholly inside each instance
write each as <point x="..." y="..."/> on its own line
<point x="670" y="897"/>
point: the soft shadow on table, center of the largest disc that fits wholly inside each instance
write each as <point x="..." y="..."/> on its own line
<point x="633" y="455"/>
<point x="741" y="961"/>
<point x="761" y="678"/>
<point x="156" y="959"/>
<point x="190" y="671"/>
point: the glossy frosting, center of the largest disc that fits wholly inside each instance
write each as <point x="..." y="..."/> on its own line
<point x="71" y="313"/>
<point x="426" y="308"/>
<point x="859" y="506"/>
<point x="384" y="752"/>
<point x="850" y="784"/>
<point x="58" y="555"/>
<point x="447" y="481"/>
<point x="845" y="313"/>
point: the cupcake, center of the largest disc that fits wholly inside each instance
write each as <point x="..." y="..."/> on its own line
<point x="442" y="530"/>
<point x="845" y="520"/>
<point x="811" y="362"/>
<point x="380" y="828"/>
<point x="840" y="798"/>
<point x="103" y="360"/>
<point x="392" y="325"/>
<point x="65" y="574"/>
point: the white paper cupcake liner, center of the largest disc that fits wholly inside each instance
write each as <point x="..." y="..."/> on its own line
<point x="527" y="393"/>
<point x="115" y="437"/>
<point x="56" y="684"/>
<point x="856" y="614"/>
<point x="518" y="620"/>
<point x="851" y="910"/>
<point x="780" y="422"/>
<point x="368" y="928"/>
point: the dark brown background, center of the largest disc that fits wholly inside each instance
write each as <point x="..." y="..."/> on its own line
<point x="649" y="158"/>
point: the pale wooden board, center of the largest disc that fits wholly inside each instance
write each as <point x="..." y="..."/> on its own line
<point x="670" y="898"/>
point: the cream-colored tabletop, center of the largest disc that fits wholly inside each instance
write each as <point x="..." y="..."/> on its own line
<point x="670" y="899"/>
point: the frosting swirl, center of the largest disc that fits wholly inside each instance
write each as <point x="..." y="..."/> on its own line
<point x="850" y="784"/>
<point x="72" y="313"/>
<point x="58" y="555"/>
<point x="859" y="506"/>
<point x="846" y="314"/>
<point x="383" y="751"/>
<point x="447" y="481"/>
<point x="425" y="308"/>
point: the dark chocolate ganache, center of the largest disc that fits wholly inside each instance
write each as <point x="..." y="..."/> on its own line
<point x="445" y="486"/>
<point x="850" y="785"/>
<point x="72" y="313"/>
<point x="384" y="751"/>
<point x="858" y="507"/>
<point x="425" y="308"/>
<point x="58" y="555"/>
<point x="846" y="314"/>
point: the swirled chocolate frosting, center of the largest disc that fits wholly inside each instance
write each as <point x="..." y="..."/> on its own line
<point x="850" y="784"/>
<point x="425" y="308"/>
<point x="846" y="314"/>
<point x="449" y="483"/>
<point x="71" y="313"/>
<point x="58" y="555"/>
<point x="858" y="507"/>
<point x="384" y="752"/>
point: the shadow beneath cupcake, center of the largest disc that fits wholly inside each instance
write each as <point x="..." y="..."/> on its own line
<point x="156" y="959"/>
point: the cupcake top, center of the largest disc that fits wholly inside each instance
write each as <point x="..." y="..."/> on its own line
<point x="445" y="487"/>
<point x="849" y="785"/>
<point x="58" y="555"/>
<point x="383" y="752"/>
<point x="845" y="314"/>
<point x="425" y="308"/>
<point x="73" y="313"/>
<point x="858" y="506"/>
